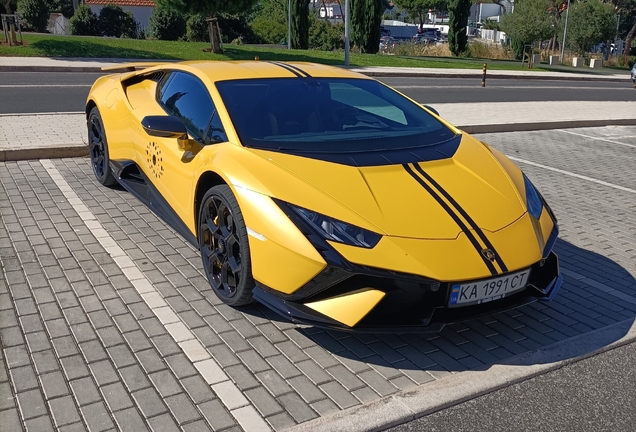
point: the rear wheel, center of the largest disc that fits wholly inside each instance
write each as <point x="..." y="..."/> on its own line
<point x="98" y="149"/>
<point x="224" y="246"/>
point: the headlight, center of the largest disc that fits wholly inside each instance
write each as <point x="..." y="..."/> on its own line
<point x="533" y="200"/>
<point x="338" y="231"/>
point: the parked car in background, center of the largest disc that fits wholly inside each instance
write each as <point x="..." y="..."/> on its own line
<point x="634" y="73"/>
<point x="427" y="35"/>
<point x="387" y="43"/>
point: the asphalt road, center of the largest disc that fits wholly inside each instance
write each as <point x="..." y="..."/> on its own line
<point x="32" y="92"/>
<point x="596" y="394"/>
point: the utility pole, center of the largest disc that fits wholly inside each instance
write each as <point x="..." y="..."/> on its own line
<point x="347" y="32"/>
<point x="565" y="31"/>
<point x="289" y="25"/>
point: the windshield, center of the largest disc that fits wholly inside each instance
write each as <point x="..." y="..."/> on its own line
<point x="327" y="115"/>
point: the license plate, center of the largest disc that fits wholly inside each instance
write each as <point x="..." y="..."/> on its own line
<point x="484" y="291"/>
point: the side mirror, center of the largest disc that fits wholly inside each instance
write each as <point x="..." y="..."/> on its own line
<point x="164" y="126"/>
<point x="167" y="127"/>
<point x="431" y="109"/>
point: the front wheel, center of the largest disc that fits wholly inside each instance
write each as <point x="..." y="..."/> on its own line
<point x="98" y="149"/>
<point x="224" y="246"/>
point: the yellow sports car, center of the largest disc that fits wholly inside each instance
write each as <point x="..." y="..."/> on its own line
<point x="324" y="194"/>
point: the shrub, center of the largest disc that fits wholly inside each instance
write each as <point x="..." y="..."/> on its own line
<point x="197" y="29"/>
<point x="326" y="36"/>
<point x="113" y="21"/>
<point x="84" y="22"/>
<point x="65" y="7"/>
<point x="490" y="51"/>
<point x="269" y="31"/>
<point x="233" y="27"/>
<point x="131" y="29"/>
<point x="166" y="24"/>
<point x="35" y="14"/>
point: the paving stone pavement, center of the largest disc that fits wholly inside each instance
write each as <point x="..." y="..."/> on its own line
<point x="107" y="322"/>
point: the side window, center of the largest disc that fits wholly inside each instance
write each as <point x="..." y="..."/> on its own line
<point x="184" y="96"/>
<point x="215" y="132"/>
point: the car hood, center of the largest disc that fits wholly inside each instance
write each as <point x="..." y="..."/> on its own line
<point x="426" y="200"/>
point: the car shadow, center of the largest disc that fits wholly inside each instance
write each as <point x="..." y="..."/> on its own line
<point x="278" y="55"/>
<point x="592" y="297"/>
<point x="89" y="50"/>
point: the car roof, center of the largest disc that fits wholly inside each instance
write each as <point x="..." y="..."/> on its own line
<point x="225" y="70"/>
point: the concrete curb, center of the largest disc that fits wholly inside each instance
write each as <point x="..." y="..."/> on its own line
<point x="476" y="74"/>
<point x="494" y="75"/>
<point x="50" y="69"/>
<point x="461" y="387"/>
<point x="565" y="124"/>
<point x="81" y="149"/>
<point x="61" y="151"/>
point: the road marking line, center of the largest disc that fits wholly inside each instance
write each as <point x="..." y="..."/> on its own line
<point x="229" y="394"/>
<point x="42" y="113"/>
<point x="597" y="138"/>
<point x="42" y="85"/>
<point x="579" y="176"/>
<point x="504" y="87"/>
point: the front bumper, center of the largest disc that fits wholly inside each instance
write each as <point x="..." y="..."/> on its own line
<point x="409" y="304"/>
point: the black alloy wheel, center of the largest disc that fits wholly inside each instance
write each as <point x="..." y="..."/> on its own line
<point x="98" y="149"/>
<point x="224" y="246"/>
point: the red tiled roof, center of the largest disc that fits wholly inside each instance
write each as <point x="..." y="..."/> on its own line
<point x="122" y="2"/>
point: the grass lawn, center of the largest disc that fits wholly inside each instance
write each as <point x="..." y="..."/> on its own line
<point x="99" y="47"/>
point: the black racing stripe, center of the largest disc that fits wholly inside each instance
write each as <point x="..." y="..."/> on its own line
<point x="462" y="212"/>
<point x="452" y="214"/>
<point x="299" y="70"/>
<point x="287" y="68"/>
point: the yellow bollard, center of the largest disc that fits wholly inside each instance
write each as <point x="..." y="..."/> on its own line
<point x="483" y="80"/>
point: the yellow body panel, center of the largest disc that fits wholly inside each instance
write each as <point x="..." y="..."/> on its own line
<point x="474" y="179"/>
<point x="141" y="93"/>
<point x="349" y="308"/>
<point x="275" y="240"/>
<point x="449" y="260"/>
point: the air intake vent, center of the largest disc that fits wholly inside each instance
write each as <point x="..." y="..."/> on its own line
<point x="156" y="77"/>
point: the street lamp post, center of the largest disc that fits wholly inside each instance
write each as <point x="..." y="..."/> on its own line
<point x="347" y="32"/>
<point x="565" y="31"/>
<point x="289" y="25"/>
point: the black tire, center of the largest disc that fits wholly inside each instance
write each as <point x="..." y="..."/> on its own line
<point x="98" y="149"/>
<point x="224" y="246"/>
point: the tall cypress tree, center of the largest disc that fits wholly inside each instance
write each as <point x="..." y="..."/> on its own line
<point x="300" y="24"/>
<point x="366" y="16"/>
<point x="459" y="10"/>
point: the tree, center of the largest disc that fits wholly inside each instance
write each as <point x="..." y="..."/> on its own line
<point x="113" y="21"/>
<point x="627" y="13"/>
<point x="530" y="22"/>
<point x="8" y="6"/>
<point x="366" y="16"/>
<point x="211" y="9"/>
<point x="419" y="8"/>
<point x="589" y="23"/>
<point x="459" y="10"/>
<point x="84" y="22"/>
<point x="65" y="7"/>
<point x="270" y="21"/>
<point x="35" y="13"/>
<point x="167" y="24"/>
<point x="300" y="24"/>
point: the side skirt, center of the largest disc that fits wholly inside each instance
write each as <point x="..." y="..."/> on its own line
<point x="135" y="181"/>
